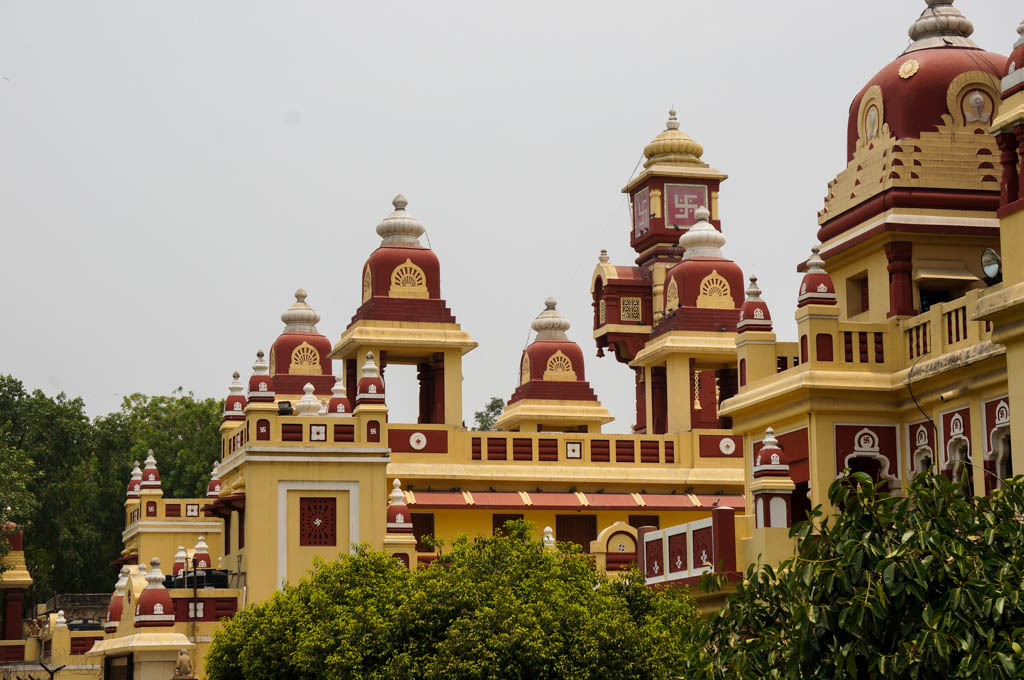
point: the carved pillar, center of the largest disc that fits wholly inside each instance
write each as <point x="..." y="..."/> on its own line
<point x="437" y="413"/>
<point x="641" y="401"/>
<point x="659" y="400"/>
<point x="12" y="614"/>
<point x="1019" y="131"/>
<point x="901" y="290"/>
<point x="1008" y="157"/>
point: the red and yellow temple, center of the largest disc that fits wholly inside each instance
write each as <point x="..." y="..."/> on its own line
<point x="909" y="349"/>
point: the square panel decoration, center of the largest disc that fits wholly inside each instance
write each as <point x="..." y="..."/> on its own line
<point x="318" y="520"/>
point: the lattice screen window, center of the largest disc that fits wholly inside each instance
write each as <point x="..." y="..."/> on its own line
<point x="629" y="309"/>
<point x="318" y="520"/>
<point x="602" y="313"/>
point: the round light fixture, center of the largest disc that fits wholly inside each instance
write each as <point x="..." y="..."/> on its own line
<point x="991" y="263"/>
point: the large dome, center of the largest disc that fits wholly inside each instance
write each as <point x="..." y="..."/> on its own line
<point x="915" y="89"/>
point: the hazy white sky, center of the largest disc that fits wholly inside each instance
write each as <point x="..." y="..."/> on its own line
<point x="171" y="172"/>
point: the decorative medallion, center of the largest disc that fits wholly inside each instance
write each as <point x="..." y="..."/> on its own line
<point x="714" y="292"/>
<point x="418" y="440"/>
<point x="727" y="446"/>
<point x="305" y="361"/>
<point x="909" y="68"/>
<point x="408" y="281"/>
<point x="317" y="521"/>
<point x="559" y="368"/>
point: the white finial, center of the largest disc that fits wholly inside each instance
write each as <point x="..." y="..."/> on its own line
<point x="308" y="405"/>
<point x="338" y="390"/>
<point x="603" y="257"/>
<point x="369" y="368"/>
<point x="260" y="367"/>
<point x="396" y="493"/>
<point x="201" y="546"/>
<point x="137" y="471"/>
<point x="549" y="537"/>
<point x="150" y="460"/>
<point x="155" y="577"/>
<point x="213" y="472"/>
<point x="323" y="407"/>
<point x="180" y="557"/>
<point x="753" y="292"/>
<point x="235" y="388"/>
<point x="61" y="622"/>
<point x="672" y="123"/>
<point x="702" y="239"/>
<point x="815" y="265"/>
<point x="550" y="324"/>
<point x="1020" y="32"/>
<point x="400" y="228"/>
<point x="769" y="439"/>
<point x="300" y="317"/>
<point x="142" y="570"/>
<point x="122" y="581"/>
<point x="940" y="25"/>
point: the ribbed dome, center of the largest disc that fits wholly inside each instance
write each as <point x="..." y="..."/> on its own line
<point x="400" y="228"/>
<point x="300" y="317"/>
<point x="550" y="324"/>
<point x="702" y="239"/>
<point x="673" y="146"/>
<point x="940" y="25"/>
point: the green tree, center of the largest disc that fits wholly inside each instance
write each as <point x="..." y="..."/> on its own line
<point x="495" y="607"/>
<point x="923" y="586"/>
<point x="485" y="419"/>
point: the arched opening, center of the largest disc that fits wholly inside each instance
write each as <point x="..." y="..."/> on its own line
<point x="924" y="459"/>
<point x="1002" y="454"/>
<point x="958" y="453"/>
<point x="869" y="465"/>
<point x="800" y="502"/>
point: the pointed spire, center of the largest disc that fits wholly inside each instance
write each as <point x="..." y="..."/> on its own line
<point x="122" y="581"/>
<point x="702" y="239"/>
<point x="940" y="25"/>
<point x="339" y="389"/>
<point x="550" y="324"/>
<point x="154" y="577"/>
<point x="400" y="228"/>
<point x="135" y="483"/>
<point x="300" y="317"/>
<point x="753" y="292"/>
<point x="308" y="405"/>
<point x="150" y="473"/>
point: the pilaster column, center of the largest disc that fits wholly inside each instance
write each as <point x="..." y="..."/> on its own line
<point x="12" y="614"/>
<point x="1019" y="131"/>
<point x="901" y="291"/>
<point x="1008" y="158"/>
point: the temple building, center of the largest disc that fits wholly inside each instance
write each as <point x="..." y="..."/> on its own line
<point x="909" y="348"/>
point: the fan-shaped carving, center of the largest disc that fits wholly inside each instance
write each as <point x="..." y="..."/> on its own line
<point x="524" y="370"/>
<point x="305" y="361"/>
<point x="672" y="296"/>
<point x="408" y="281"/>
<point x="367" y="284"/>
<point x="559" y="368"/>
<point x="714" y="292"/>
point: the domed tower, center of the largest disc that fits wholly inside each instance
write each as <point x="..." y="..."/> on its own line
<point x="404" y="320"/>
<point x="553" y="393"/>
<point x="629" y="301"/>
<point x="904" y="225"/>
<point x="300" y="354"/>
<point x="234" y="405"/>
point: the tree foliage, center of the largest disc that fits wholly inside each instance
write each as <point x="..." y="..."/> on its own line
<point x="485" y="419"/>
<point x="65" y="476"/>
<point x="928" y="585"/>
<point x="496" y="607"/>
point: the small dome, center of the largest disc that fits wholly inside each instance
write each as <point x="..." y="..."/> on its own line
<point x="339" y="404"/>
<point x="201" y="553"/>
<point x="234" y="405"/>
<point x="371" y="386"/>
<point x="116" y="606"/>
<point x="135" y="483"/>
<point x="550" y="324"/>
<point x="308" y="405"/>
<point x="400" y="228"/>
<point x="399" y="519"/>
<point x="817" y="287"/>
<point x="213" y="488"/>
<point x="673" y="146"/>
<point x="754" y="314"/>
<point x="261" y="385"/>
<point x="770" y="460"/>
<point x="1015" y="62"/>
<point x="702" y="239"/>
<point x="154" y="606"/>
<point x="300" y="317"/>
<point x="150" y="474"/>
